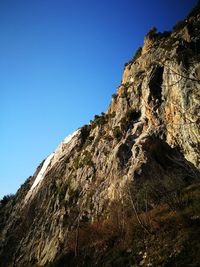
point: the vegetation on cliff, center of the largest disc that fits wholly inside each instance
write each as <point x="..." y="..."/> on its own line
<point x="124" y="190"/>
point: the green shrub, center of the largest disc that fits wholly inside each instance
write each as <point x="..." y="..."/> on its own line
<point x="132" y="115"/>
<point x="111" y="115"/>
<point x="166" y="34"/>
<point x="114" y="96"/>
<point x="179" y="25"/>
<point x="85" y="131"/>
<point x="117" y="132"/>
<point x="88" y="142"/>
<point x="87" y="160"/>
<point x="152" y="32"/>
<point x="6" y="199"/>
<point x="99" y="120"/>
<point x="137" y="53"/>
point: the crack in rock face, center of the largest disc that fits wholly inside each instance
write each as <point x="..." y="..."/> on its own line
<point x="82" y="204"/>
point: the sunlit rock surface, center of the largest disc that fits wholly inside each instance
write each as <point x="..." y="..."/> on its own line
<point x="151" y="131"/>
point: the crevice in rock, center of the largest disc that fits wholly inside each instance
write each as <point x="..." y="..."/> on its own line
<point x="155" y="85"/>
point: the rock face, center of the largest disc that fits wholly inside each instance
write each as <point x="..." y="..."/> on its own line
<point x="150" y="133"/>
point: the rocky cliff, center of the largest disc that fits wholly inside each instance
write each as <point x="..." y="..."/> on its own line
<point x="99" y="194"/>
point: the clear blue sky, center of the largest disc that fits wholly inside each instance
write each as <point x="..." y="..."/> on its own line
<point x="60" y="62"/>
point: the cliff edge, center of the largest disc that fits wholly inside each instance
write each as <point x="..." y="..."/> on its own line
<point x="123" y="190"/>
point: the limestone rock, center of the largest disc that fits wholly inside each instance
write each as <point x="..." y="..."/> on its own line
<point x="150" y="132"/>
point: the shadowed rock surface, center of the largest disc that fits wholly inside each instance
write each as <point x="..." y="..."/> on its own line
<point x="121" y="191"/>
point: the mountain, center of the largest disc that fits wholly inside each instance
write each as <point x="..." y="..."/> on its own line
<point x="123" y="190"/>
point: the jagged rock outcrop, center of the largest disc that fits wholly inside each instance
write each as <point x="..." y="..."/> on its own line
<point x="149" y="134"/>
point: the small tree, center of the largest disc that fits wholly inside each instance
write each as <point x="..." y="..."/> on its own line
<point x="152" y="32"/>
<point x="6" y="199"/>
<point x="117" y="132"/>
